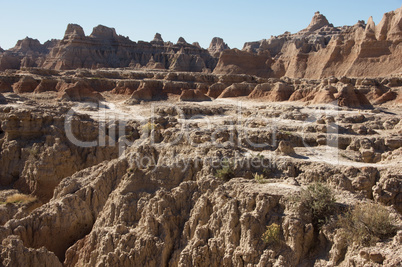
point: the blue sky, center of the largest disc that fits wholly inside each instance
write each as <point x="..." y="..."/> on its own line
<point x="235" y="21"/>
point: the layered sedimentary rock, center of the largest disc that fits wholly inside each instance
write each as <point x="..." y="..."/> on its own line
<point x="86" y="85"/>
<point x="104" y="48"/>
<point x="318" y="51"/>
<point x="322" y="50"/>
<point x="174" y="209"/>
<point x="217" y="46"/>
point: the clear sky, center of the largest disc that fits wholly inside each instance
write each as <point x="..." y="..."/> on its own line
<point x="234" y="21"/>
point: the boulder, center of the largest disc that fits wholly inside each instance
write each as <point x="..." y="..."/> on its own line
<point x="285" y="147"/>
<point x="388" y="96"/>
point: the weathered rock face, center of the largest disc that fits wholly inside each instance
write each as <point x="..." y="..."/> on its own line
<point x="79" y="91"/>
<point x="322" y="50"/>
<point x="174" y="208"/>
<point x="318" y="51"/>
<point x="17" y="254"/>
<point x="27" y="84"/>
<point x="37" y="167"/>
<point x="241" y="62"/>
<point x="193" y="95"/>
<point x="105" y="48"/>
<point x="86" y="85"/>
<point x="217" y="46"/>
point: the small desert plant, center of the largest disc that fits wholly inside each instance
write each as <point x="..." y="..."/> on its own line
<point x="20" y="198"/>
<point x="319" y="200"/>
<point x="366" y="224"/>
<point x="226" y="172"/>
<point x="148" y="127"/>
<point x="259" y="178"/>
<point x="260" y="156"/>
<point x="272" y="234"/>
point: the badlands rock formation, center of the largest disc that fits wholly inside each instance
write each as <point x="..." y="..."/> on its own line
<point x="156" y="161"/>
<point x="104" y="48"/>
<point x="322" y="50"/>
<point x="319" y="51"/>
<point x="162" y="201"/>
<point x="217" y="46"/>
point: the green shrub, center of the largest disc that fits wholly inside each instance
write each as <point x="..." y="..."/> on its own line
<point x="320" y="201"/>
<point x="366" y="224"/>
<point x="272" y="234"/>
<point x="226" y="172"/>
<point x="259" y="178"/>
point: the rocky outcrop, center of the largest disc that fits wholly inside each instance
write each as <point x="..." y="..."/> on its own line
<point x="26" y="84"/>
<point x="237" y="89"/>
<point x="217" y="46"/>
<point x="318" y="51"/>
<point x="348" y="96"/>
<point x="15" y="253"/>
<point x="164" y="200"/>
<point x="105" y="48"/>
<point x="318" y="21"/>
<point x="35" y="153"/>
<point x="80" y="91"/>
<point x="149" y="90"/>
<point x="235" y="61"/>
<point x="193" y="95"/>
<point x="154" y="55"/>
<point x="322" y="50"/>
<point x="87" y="85"/>
<point x="158" y="39"/>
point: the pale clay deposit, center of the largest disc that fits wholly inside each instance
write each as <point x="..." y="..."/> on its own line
<point x="162" y="154"/>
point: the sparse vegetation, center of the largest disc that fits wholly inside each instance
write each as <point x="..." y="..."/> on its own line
<point x="20" y="198"/>
<point x="272" y="234"/>
<point x="259" y="178"/>
<point x="366" y="224"/>
<point x="226" y="172"/>
<point x="148" y="127"/>
<point x="319" y="200"/>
